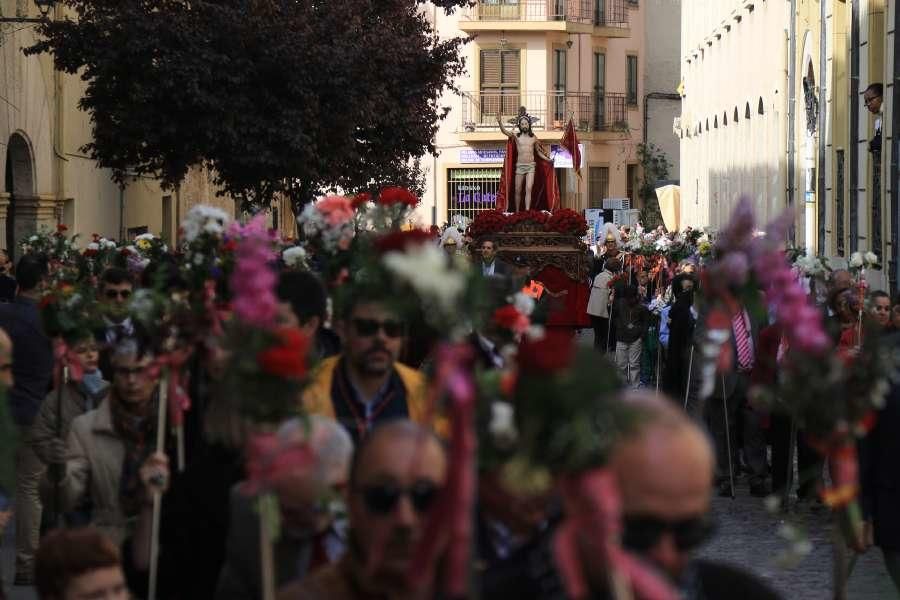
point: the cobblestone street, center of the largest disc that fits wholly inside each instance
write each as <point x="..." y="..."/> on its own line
<point x="747" y="536"/>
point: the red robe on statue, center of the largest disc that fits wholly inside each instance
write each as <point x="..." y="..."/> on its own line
<point x="544" y="192"/>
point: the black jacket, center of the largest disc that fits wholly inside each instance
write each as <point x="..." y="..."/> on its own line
<point x="32" y="358"/>
<point x="880" y="470"/>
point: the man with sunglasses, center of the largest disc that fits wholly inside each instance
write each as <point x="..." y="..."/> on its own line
<point x="366" y="385"/>
<point x="872" y="100"/>
<point x="32" y="367"/>
<point x="664" y="470"/>
<point x="395" y="478"/>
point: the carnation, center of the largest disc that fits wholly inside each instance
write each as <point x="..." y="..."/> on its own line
<point x="294" y="256"/>
<point x="871" y="258"/>
<point x="856" y="260"/>
<point x="426" y="269"/>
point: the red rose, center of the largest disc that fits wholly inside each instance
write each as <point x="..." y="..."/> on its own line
<point x="288" y="359"/>
<point x="229" y="246"/>
<point x="61" y="228"/>
<point x="509" y="317"/>
<point x="397" y="195"/>
<point x="397" y="241"/>
<point x="549" y="355"/>
<point x="361" y="199"/>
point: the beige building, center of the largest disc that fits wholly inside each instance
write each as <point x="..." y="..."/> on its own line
<point x="555" y="57"/>
<point x="48" y="180"/>
<point x="804" y="65"/>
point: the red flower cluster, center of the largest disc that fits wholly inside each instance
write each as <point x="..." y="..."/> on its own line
<point x="398" y="241"/>
<point x="485" y="222"/>
<point x="397" y="195"/>
<point x="361" y="199"/>
<point x="288" y="359"/>
<point x="527" y="216"/>
<point x="61" y="229"/>
<point x="508" y="317"/>
<point x="549" y="355"/>
<point x="566" y="220"/>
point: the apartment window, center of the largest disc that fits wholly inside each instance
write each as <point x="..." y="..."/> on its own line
<point x="632" y="95"/>
<point x="470" y="191"/>
<point x="500" y="80"/>
<point x="632" y="183"/>
<point x="133" y="232"/>
<point x="559" y="84"/>
<point x="599" y="91"/>
<point x="166" y="231"/>
<point x="598" y="186"/>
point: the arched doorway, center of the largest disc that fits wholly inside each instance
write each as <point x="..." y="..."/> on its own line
<point x="19" y="183"/>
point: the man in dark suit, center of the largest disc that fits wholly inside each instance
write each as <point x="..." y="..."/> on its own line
<point x="490" y="265"/>
<point x="880" y="479"/>
<point x="728" y="401"/>
<point x="32" y="367"/>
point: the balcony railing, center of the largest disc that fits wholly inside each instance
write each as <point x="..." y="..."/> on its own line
<point x="590" y="111"/>
<point x="602" y="13"/>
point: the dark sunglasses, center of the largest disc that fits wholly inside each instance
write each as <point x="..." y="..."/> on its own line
<point x="113" y="294"/>
<point x="643" y="533"/>
<point x="370" y="327"/>
<point x="868" y="101"/>
<point x="383" y="499"/>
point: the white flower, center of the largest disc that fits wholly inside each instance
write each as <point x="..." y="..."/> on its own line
<point x="663" y="243"/>
<point x="198" y="259"/>
<point x="142" y="305"/>
<point x="93" y="246"/>
<point x="503" y="425"/>
<point x="871" y="258"/>
<point x="294" y="256"/>
<point x="426" y="269"/>
<point x="856" y="260"/>
<point x="524" y="303"/>
<point x="33" y="238"/>
<point x="633" y="244"/>
<point x="145" y="236"/>
<point x="108" y="244"/>
<point x="213" y="228"/>
<point x="203" y="219"/>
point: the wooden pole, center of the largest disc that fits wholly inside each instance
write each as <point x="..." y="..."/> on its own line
<point x="157" y="497"/>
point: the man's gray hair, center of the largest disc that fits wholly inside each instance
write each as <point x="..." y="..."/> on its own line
<point x="328" y="439"/>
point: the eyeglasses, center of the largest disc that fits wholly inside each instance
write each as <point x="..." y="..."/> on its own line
<point x="113" y="294"/>
<point x="383" y="499"/>
<point x="370" y="327"/>
<point x="126" y="372"/>
<point x="643" y="532"/>
<point x="867" y="100"/>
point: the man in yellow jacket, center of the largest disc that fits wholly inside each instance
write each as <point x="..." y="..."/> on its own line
<point x="365" y="384"/>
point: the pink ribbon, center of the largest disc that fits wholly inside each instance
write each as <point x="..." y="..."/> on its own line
<point x="452" y="513"/>
<point x="66" y="357"/>
<point x="593" y="513"/>
<point x="178" y="398"/>
<point x="270" y="458"/>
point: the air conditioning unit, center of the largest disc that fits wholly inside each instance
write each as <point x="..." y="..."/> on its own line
<point x="616" y="203"/>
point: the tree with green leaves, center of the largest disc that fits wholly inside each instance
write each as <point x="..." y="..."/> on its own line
<point x="655" y="167"/>
<point x="291" y="97"/>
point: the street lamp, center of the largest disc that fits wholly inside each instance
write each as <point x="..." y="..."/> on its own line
<point x="44" y="6"/>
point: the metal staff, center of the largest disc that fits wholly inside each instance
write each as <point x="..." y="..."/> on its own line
<point x="57" y="489"/>
<point x="728" y="439"/>
<point x="687" y="387"/>
<point x="157" y="497"/>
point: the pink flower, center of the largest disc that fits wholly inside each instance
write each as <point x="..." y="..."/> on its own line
<point x="253" y="280"/>
<point x="337" y="210"/>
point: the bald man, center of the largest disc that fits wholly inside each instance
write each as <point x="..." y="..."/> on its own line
<point x="665" y="472"/>
<point x="395" y="477"/>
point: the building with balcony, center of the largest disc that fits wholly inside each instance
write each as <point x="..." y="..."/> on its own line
<point x="557" y="58"/>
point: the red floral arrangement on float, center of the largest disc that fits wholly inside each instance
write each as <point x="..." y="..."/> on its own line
<point x="565" y="221"/>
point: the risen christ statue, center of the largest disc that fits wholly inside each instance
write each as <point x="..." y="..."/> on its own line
<point x="526" y="147"/>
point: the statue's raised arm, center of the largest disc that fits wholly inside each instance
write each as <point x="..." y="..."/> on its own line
<point x="506" y="131"/>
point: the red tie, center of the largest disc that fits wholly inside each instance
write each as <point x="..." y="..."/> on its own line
<point x="742" y="341"/>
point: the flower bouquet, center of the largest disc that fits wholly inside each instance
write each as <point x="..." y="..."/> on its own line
<point x="206" y="250"/>
<point x="390" y="210"/>
<point x="145" y="248"/>
<point x="55" y="245"/>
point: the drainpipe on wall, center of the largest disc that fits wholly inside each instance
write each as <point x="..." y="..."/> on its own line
<point x="853" y="159"/>
<point x="122" y="212"/>
<point x="822" y="196"/>
<point x="655" y="96"/>
<point x="895" y="158"/>
<point x="792" y="111"/>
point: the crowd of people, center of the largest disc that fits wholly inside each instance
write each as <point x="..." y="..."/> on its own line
<point x="102" y="510"/>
